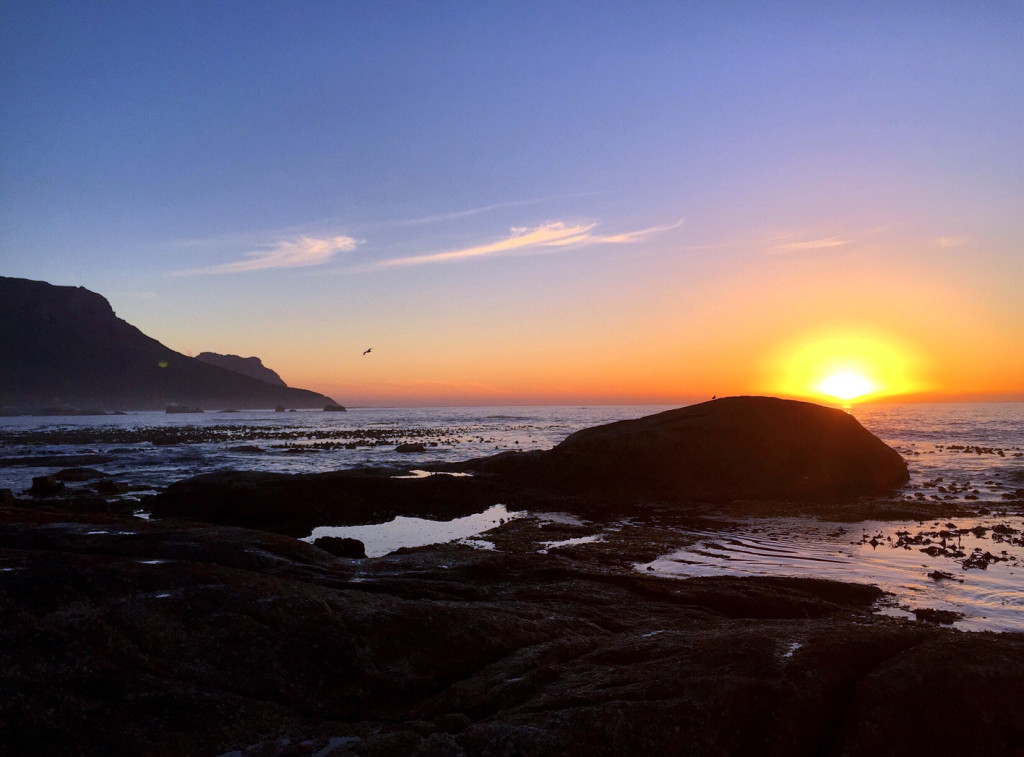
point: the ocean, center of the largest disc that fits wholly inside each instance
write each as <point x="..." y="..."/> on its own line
<point x="957" y="453"/>
<point x="977" y="449"/>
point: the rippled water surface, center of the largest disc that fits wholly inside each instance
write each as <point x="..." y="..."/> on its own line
<point x="973" y="567"/>
<point x="968" y="451"/>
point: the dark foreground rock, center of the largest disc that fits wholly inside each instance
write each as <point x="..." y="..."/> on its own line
<point x="340" y="546"/>
<point x="736" y="447"/>
<point x="122" y="636"/>
<point x="125" y="636"/>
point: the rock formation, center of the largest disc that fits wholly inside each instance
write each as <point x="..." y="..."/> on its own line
<point x="731" y="448"/>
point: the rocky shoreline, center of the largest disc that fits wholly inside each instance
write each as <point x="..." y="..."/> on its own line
<point x="212" y="629"/>
<point x="157" y="637"/>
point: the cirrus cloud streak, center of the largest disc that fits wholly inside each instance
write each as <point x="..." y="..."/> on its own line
<point x="306" y="251"/>
<point x="549" y="236"/>
<point x="813" y="244"/>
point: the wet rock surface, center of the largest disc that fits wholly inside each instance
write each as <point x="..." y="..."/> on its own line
<point x="412" y="447"/>
<point x="125" y="636"/>
<point x="342" y="547"/>
<point x="79" y="474"/>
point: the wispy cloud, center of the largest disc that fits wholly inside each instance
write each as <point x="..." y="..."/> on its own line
<point x="306" y="251"/>
<point x="813" y="244"/>
<point x="637" y="236"/>
<point x="549" y="236"/>
<point x="484" y="209"/>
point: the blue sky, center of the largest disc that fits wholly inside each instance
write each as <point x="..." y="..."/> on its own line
<point x="290" y="179"/>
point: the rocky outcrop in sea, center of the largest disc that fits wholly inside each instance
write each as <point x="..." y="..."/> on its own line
<point x="731" y="448"/>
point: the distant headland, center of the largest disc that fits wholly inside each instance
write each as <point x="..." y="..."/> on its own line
<point x="64" y="347"/>
<point x="247" y="366"/>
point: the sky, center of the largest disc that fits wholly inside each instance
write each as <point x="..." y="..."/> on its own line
<point x="535" y="202"/>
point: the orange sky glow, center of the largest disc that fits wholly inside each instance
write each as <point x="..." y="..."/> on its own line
<point x="587" y="331"/>
<point x="626" y="359"/>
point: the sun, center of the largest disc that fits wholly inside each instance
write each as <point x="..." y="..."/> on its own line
<point x="846" y="386"/>
<point x="843" y="365"/>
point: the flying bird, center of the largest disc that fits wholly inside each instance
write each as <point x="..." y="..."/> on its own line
<point x="366" y="352"/>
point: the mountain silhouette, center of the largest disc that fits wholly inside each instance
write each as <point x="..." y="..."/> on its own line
<point x="247" y="366"/>
<point x="63" y="346"/>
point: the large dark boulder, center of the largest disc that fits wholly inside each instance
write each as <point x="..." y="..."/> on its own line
<point x="732" y="448"/>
